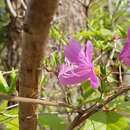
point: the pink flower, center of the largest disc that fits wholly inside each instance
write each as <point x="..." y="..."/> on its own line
<point x="79" y="66"/>
<point x="125" y="53"/>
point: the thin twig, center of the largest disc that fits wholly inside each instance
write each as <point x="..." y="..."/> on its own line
<point x="111" y="55"/>
<point x="120" y="74"/>
<point x="35" y="101"/>
<point x="126" y="73"/>
<point x="9" y="72"/>
<point x="99" y="57"/>
<point x="79" y="1"/>
<point x="88" y="112"/>
<point x="11" y="107"/>
<point x="48" y="70"/>
<point x="85" y="6"/>
<point x="11" y="9"/>
<point x="24" y="5"/>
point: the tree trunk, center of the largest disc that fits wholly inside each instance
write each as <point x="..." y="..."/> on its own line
<point x="11" y="60"/>
<point x="36" y="28"/>
<point x="16" y="12"/>
<point x="72" y="16"/>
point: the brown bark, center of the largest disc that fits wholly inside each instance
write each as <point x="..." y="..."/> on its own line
<point x="37" y="24"/>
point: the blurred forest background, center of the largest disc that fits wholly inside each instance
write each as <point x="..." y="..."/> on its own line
<point x="105" y="23"/>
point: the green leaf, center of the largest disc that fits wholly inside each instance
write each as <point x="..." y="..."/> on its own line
<point x="54" y="60"/>
<point x="3" y="105"/>
<point x="107" y="121"/>
<point x="87" y="89"/>
<point x="2" y="4"/>
<point x="124" y="106"/>
<point x="9" y="118"/>
<point x="52" y="121"/>
<point x="12" y="87"/>
<point x="3" y="84"/>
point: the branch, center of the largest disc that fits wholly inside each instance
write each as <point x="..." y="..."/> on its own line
<point x="93" y="109"/>
<point x="9" y="72"/>
<point x="86" y="7"/>
<point x="11" y="9"/>
<point x="48" y="70"/>
<point x="35" y="101"/>
<point x="23" y="4"/>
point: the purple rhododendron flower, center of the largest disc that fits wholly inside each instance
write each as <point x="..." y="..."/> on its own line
<point x="79" y="66"/>
<point x="125" y="53"/>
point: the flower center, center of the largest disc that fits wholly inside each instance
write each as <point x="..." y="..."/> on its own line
<point x="97" y="70"/>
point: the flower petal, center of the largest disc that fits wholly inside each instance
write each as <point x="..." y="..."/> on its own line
<point x="125" y="57"/>
<point x="125" y="53"/>
<point x="94" y="80"/>
<point x="89" y="50"/>
<point x="72" y="51"/>
<point x="72" y="76"/>
<point x="79" y="67"/>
